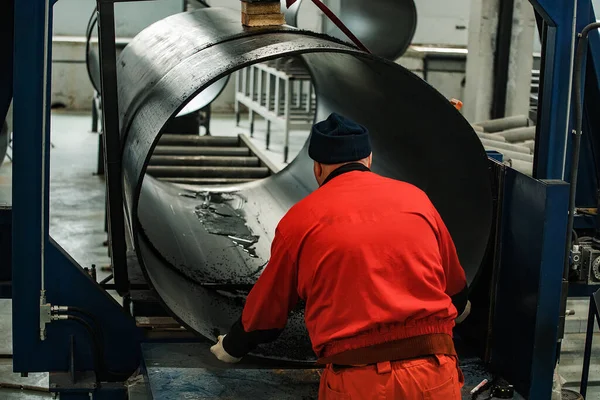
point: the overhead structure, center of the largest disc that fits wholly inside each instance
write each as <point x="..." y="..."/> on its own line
<point x="202" y="250"/>
<point x="385" y="27"/>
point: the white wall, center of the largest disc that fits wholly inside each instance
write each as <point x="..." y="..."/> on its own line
<point x="71" y="16"/>
<point x="442" y="22"/>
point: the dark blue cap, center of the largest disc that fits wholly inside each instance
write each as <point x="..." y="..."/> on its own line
<point x="338" y="140"/>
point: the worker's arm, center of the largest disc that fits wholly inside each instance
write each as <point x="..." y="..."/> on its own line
<point x="269" y="303"/>
<point x="456" y="282"/>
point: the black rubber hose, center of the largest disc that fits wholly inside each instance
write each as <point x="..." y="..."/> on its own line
<point x="577" y="89"/>
<point x="104" y="372"/>
<point x="94" y="320"/>
<point x="96" y="347"/>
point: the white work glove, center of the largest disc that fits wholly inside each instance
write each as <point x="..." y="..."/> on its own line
<point x="221" y="354"/>
<point x="465" y="313"/>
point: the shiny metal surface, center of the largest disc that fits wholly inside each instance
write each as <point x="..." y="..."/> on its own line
<point x="203" y="250"/>
<point x="386" y="27"/>
<point x="93" y="67"/>
<point x="3" y="141"/>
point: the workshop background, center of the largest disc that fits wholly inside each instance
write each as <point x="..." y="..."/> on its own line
<point x="455" y="48"/>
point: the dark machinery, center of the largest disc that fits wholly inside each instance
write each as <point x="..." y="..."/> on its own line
<point x="510" y="229"/>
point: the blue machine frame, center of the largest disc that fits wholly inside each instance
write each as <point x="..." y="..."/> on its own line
<point x="66" y="283"/>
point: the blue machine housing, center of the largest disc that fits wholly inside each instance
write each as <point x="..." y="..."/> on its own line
<point x="527" y="253"/>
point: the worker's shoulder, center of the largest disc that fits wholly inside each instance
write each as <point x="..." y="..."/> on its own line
<point x="299" y="214"/>
<point x="403" y="186"/>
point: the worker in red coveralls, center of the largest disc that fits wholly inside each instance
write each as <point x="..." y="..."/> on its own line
<point x="379" y="273"/>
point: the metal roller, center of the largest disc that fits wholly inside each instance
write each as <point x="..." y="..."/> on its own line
<point x="3" y="141"/>
<point x="195" y="140"/>
<point x="206" y="181"/>
<point x="202" y="250"/>
<point x="386" y="27"/>
<point x="199" y="161"/>
<point x="201" y="151"/>
<point x="207" y="172"/>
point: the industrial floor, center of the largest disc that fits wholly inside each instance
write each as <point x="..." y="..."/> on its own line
<point x="77" y="223"/>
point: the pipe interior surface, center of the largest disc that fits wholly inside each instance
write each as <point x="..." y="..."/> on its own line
<point x="203" y="250"/>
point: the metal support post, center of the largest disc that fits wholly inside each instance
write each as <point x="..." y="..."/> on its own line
<point x="287" y="116"/>
<point x="553" y="125"/>
<point x="251" y="95"/>
<point x="593" y="316"/>
<point x="112" y="144"/>
<point x="236" y="103"/>
<point x="30" y="174"/>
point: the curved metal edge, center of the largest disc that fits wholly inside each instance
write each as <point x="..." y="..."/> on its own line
<point x="3" y="141"/>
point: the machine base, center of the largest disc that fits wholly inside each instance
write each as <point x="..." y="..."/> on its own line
<point x="189" y="370"/>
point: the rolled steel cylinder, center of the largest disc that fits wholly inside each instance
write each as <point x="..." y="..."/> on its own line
<point x="518" y="134"/>
<point x="94" y="72"/>
<point x="491" y="136"/>
<point x="385" y="27"/>
<point x="524" y="167"/>
<point x="202" y="250"/>
<point x="505" y="146"/>
<point x="501" y="124"/>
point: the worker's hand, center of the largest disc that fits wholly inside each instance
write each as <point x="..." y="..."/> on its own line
<point x="221" y="354"/>
<point x="464" y="314"/>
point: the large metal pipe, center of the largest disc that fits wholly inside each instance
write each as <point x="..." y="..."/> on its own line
<point x="202" y="269"/>
<point x="92" y="60"/>
<point x="505" y="146"/>
<point x="501" y="124"/>
<point x="518" y="134"/>
<point x="385" y="27"/>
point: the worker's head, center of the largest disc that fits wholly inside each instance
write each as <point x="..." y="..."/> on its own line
<point x="338" y="141"/>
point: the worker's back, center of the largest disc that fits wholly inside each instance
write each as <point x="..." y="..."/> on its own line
<point x="373" y="259"/>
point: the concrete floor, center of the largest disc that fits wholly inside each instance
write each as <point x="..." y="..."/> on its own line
<point x="77" y="223"/>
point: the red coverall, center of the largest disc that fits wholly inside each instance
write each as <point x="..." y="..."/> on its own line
<point x="374" y="262"/>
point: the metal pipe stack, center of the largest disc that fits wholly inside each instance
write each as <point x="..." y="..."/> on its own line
<point x="513" y="137"/>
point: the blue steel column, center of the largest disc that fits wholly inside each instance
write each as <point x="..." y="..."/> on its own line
<point x="30" y="167"/>
<point x="553" y="118"/>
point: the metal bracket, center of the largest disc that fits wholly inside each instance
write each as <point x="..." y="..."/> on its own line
<point x="45" y="317"/>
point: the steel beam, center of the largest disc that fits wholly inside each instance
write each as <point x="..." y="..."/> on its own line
<point x="112" y="144"/>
